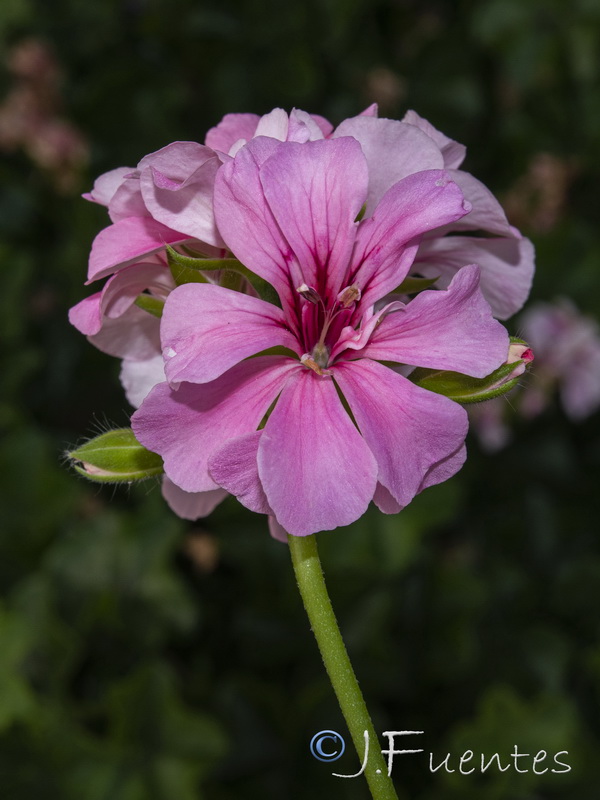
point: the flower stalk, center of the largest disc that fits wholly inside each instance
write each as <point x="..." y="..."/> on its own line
<point x="311" y="583"/>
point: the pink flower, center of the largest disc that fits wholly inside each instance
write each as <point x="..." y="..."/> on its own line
<point x="313" y="435"/>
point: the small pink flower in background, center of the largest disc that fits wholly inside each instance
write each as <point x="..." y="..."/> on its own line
<point x="567" y="358"/>
<point x="288" y="211"/>
<point x="567" y="348"/>
<point x="31" y="116"/>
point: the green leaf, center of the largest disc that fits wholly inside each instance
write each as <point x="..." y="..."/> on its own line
<point x="153" y="305"/>
<point x="463" y="388"/>
<point x="413" y="285"/>
<point x="115" y="457"/>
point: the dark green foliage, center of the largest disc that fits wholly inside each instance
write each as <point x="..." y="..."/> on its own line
<point x="145" y="658"/>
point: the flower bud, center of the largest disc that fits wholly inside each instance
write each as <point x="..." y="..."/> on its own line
<point x="464" y="389"/>
<point x="115" y="457"/>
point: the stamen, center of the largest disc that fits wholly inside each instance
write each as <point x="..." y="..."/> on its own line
<point x="349" y="296"/>
<point x="308" y="293"/>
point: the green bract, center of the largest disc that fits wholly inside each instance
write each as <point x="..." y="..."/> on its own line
<point x="464" y="389"/>
<point x="115" y="457"/>
<point x="188" y="269"/>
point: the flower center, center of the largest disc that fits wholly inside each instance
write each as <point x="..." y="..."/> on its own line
<point x="318" y="323"/>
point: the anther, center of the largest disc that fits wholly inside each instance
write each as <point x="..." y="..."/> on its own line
<point x="308" y="293"/>
<point x="348" y="296"/>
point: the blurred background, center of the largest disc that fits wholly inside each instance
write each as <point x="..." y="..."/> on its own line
<point x="146" y="658"/>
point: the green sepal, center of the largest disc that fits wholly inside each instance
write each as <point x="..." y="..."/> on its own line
<point x="413" y="285"/>
<point x="153" y="305"/>
<point x="115" y="457"/>
<point x="464" y="389"/>
<point x="187" y="269"/>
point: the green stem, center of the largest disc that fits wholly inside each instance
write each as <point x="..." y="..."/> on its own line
<point x="309" y="575"/>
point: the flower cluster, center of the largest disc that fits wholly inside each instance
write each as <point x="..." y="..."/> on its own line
<point x="302" y="401"/>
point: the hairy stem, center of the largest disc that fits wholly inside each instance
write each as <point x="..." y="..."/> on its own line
<point x="309" y="575"/>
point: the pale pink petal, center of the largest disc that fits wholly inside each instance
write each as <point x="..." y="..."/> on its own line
<point x="206" y="329"/>
<point x="231" y="129"/>
<point x="276" y="531"/>
<point x="135" y="334"/>
<point x="387" y="242"/>
<point x="106" y="185"/>
<point x="487" y="213"/>
<point x="126" y="241"/>
<point x="127" y="201"/>
<point x="247" y="225"/>
<point x="385" y="502"/>
<point x="303" y="127"/>
<point x="234" y="467"/>
<point x="507" y="267"/>
<point x="274" y="125"/>
<point x="447" y="330"/>
<point x="316" y="470"/>
<point x="177" y="185"/>
<point x="191" y="505"/>
<point x="188" y="425"/>
<point x="407" y="428"/>
<point x="370" y="111"/>
<point x="315" y="191"/>
<point x="453" y="152"/>
<point x="325" y="126"/>
<point x="138" y="377"/>
<point x="393" y="150"/>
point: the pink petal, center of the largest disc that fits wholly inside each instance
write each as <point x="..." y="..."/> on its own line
<point x="86" y="315"/>
<point x="235" y="468"/>
<point x="447" y="330"/>
<point x="407" y="428"/>
<point x="316" y="470"/>
<point x="231" y="129"/>
<point x="206" y="329"/>
<point x="177" y="185"/>
<point x="118" y="294"/>
<point x="387" y="242"/>
<point x="507" y="267"/>
<point x="139" y="377"/>
<point x="315" y="192"/>
<point x="438" y="473"/>
<point x="247" y="225"/>
<point x="126" y="241"/>
<point x="107" y="184"/>
<point x="187" y="426"/>
<point x="393" y="150"/>
<point x="453" y="152"/>
<point x="191" y="505"/>
<point x="445" y="468"/>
